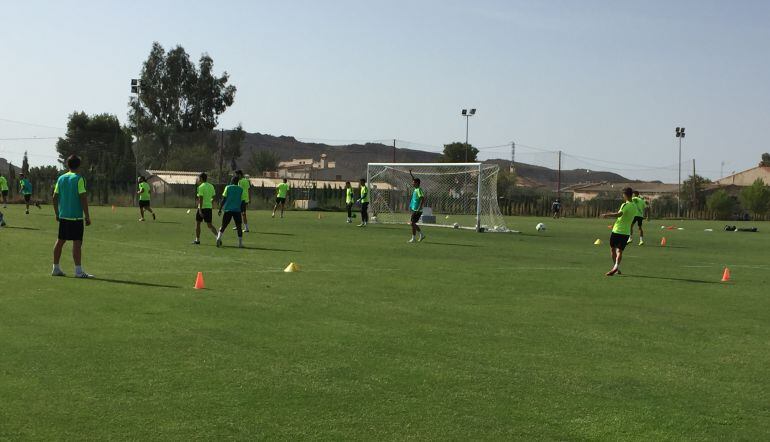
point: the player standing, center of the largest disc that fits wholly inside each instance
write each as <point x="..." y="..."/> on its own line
<point x="641" y="207"/>
<point x="203" y="199"/>
<point x="244" y="184"/>
<point x="25" y="186"/>
<point x="363" y="198"/>
<point x="418" y="199"/>
<point x="70" y="204"/>
<point x="4" y="191"/>
<point x="556" y="208"/>
<point x="621" y="230"/>
<point x="231" y="202"/>
<point x="281" y="192"/>
<point x="349" y="200"/>
<point x="144" y="198"/>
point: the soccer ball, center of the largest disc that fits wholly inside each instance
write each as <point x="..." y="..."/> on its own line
<point x="540" y="227"/>
<point x="456" y="225"/>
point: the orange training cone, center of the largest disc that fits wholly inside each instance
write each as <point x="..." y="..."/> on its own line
<point x="726" y="275"/>
<point x="199" y="284"/>
<point x="663" y="242"/>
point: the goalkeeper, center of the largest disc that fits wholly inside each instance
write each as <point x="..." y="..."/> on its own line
<point x="415" y="206"/>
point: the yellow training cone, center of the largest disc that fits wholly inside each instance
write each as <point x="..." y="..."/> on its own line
<point x="598" y="242"/>
<point x="291" y="268"/>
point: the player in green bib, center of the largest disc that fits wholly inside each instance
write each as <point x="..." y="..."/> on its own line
<point x="244" y="184"/>
<point x="231" y="203"/>
<point x="204" y="200"/>
<point x="4" y="191"/>
<point x="70" y="205"/>
<point x="349" y="200"/>
<point x="641" y="207"/>
<point x="281" y="193"/>
<point x="363" y="198"/>
<point x="25" y="188"/>
<point x="415" y="206"/>
<point x="144" y="198"/>
<point x="621" y="230"/>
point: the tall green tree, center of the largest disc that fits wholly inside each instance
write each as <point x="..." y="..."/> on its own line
<point x="506" y="183"/>
<point x="263" y="161"/>
<point x="233" y="145"/>
<point x="765" y="160"/>
<point x="756" y="198"/>
<point x="176" y="96"/>
<point x="693" y="191"/>
<point x="458" y="152"/>
<point x="722" y="204"/>
<point x="25" y="164"/>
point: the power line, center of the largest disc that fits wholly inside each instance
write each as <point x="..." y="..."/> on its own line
<point x="24" y="123"/>
<point x="29" y="138"/>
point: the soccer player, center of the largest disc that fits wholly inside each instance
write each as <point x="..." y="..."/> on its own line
<point x="363" y="198"/>
<point x="4" y="191"/>
<point x="418" y="199"/>
<point x="349" y="200"/>
<point x="203" y="199"/>
<point x="556" y="208"/>
<point x="231" y="203"/>
<point x="144" y="198"/>
<point x="621" y="230"/>
<point x="244" y="184"/>
<point x="641" y="207"/>
<point x="281" y="191"/>
<point x="25" y="186"/>
<point x="70" y="204"/>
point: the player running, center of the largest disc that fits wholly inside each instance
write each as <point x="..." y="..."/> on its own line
<point x="281" y="192"/>
<point x="70" y="204"/>
<point x="4" y="191"/>
<point x="144" y="198"/>
<point x="621" y="230"/>
<point x="349" y="200"/>
<point x="231" y="203"/>
<point x="418" y="199"/>
<point x="203" y="199"/>
<point x="556" y="208"/>
<point x="25" y="187"/>
<point x="244" y="184"/>
<point x="363" y="191"/>
<point x="641" y="207"/>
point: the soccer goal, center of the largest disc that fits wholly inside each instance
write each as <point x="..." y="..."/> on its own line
<point x="458" y="195"/>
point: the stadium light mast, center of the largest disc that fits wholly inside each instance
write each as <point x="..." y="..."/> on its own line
<point x="467" y="114"/>
<point x="679" y="135"/>
<point x="135" y="89"/>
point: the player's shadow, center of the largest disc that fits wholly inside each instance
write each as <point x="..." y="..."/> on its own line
<point x="452" y="244"/>
<point x="166" y="222"/>
<point x="663" y="278"/>
<point x="143" y="284"/>
<point x="20" y="228"/>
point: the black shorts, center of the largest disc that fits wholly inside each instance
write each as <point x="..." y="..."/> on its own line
<point x="203" y="215"/>
<point x="235" y="216"/>
<point x="618" y="241"/>
<point x="27" y="197"/>
<point x="243" y="206"/>
<point x="71" y="230"/>
<point x="416" y="217"/>
<point x="5" y="193"/>
<point x="144" y="203"/>
<point x="637" y="220"/>
<point x="279" y="200"/>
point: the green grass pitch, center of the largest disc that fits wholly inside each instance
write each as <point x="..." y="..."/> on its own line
<point x="466" y="336"/>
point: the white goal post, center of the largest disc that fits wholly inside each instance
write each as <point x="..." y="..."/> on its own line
<point x="459" y="195"/>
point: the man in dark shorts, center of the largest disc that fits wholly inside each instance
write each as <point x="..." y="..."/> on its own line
<point x="621" y="231"/>
<point x="25" y="187"/>
<point x="415" y="205"/>
<point x="556" y="208"/>
<point x="281" y="193"/>
<point x="231" y="203"/>
<point x="641" y="207"/>
<point x="204" y="199"/>
<point x="349" y="200"/>
<point x="144" y="198"/>
<point x="70" y="204"/>
<point x="363" y="198"/>
<point x="244" y="184"/>
<point x="4" y="191"/>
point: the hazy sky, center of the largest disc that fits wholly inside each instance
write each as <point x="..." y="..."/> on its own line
<point x="604" y="81"/>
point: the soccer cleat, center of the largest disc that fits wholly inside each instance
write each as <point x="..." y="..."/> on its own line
<point x="219" y="242"/>
<point x="196" y="242"/>
<point x="630" y="240"/>
<point x="235" y="228"/>
<point x="57" y="272"/>
<point x="273" y="215"/>
<point x="26" y="212"/>
<point x="641" y="243"/>
<point x="360" y="225"/>
<point x="422" y="238"/>
<point x="153" y="216"/>
<point x="411" y="240"/>
<point x="613" y="271"/>
<point x="37" y="204"/>
<point x="141" y="219"/>
<point x="246" y="230"/>
<point x="84" y="275"/>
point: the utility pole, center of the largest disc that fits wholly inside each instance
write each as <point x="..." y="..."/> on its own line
<point x="221" y="152"/>
<point x="558" y="180"/>
<point x="513" y="157"/>
<point x="679" y="134"/>
<point x="694" y="196"/>
<point x="394" y="150"/>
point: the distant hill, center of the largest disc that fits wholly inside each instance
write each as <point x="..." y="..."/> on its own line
<point x="351" y="160"/>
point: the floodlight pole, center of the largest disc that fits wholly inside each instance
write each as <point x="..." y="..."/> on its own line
<point x="679" y="134"/>
<point x="467" y="113"/>
<point x="478" y="201"/>
<point x="136" y="89"/>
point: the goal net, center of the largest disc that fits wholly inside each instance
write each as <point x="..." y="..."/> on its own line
<point x="459" y="195"/>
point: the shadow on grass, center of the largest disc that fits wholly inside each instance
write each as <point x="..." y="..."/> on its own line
<point x="449" y="244"/>
<point x="272" y="233"/>
<point x="166" y="222"/>
<point x="264" y="249"/>
<point x="663" y="278"/>
<point x="20" y="228"/>
<point x="143" y="284"/>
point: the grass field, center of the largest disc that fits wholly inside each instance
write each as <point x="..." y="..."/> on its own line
<point x="464" y="336"/>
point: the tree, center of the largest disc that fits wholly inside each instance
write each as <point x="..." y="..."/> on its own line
<point x="25" y="164"/>
<point x="756" y="198"/>
<point x="458" y="152"/>
<point x="262" y="161"/>
<point x="722" y="204"/>
<point x="232" y="149"/>
<point x="765" y="160"/>
<point x="693" y="191"/>
<point x="177" y="97"/>
<point x="506" y="183"/>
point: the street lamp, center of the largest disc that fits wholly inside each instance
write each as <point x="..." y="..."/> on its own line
<point x="680" y="134"/>
<point x="467" y="114"/>
<point x="135" y="89"/>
